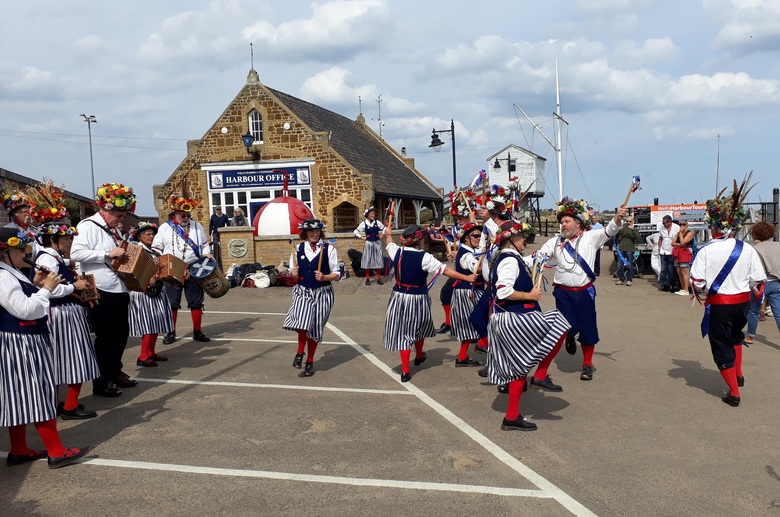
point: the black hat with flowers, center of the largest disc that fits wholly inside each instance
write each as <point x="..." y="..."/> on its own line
<point x="13" y="238"/>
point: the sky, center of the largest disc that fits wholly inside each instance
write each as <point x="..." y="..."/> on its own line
<point x="646" y="86"/>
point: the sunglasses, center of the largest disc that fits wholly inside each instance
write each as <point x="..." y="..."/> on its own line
<point x="475" y="235"/>
<point x="185" y="216"/>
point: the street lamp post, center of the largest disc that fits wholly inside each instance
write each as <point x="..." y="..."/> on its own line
<point x="90" y="119"/>
<point x="510" y="169"/>
<point x="436" y="143"/>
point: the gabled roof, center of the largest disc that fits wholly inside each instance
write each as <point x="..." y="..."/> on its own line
<point x="518" y="148"/>
<point x="363" y="150"/>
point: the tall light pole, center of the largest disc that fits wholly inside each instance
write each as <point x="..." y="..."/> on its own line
<point x="510" y="167"/>
<point x="90" y="119"/>
<point x="436" y="143"/>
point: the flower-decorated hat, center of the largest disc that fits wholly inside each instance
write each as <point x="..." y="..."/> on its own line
<point x="13" y="238"/>
<point x="468" y="228"/>
<point x="495" y="201"/>
<point x="509" y="229"/>
<point x="577" y="209"/>
<point x="368" y="210"/>
<point x="115" y="196"/>
<point x="141" y="228"/>
<point x="726" y="213"/>
<point x="16" y="200"/>
<point x="462" y="204"/>
<point x="56" y="229"/>
<point x="412" y="234"/>
<point x="182" y="204"/>
<point x="48" y="201"/>
<point x="311" y="224"/>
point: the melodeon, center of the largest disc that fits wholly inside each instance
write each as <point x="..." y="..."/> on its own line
<point x="172" y="269"/>
<point x="89" y="293"/>
<point x="136" y="267"/>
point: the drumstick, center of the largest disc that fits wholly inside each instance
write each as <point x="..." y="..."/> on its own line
<point x="293" y="259"/>
<point x="322" y="252"/>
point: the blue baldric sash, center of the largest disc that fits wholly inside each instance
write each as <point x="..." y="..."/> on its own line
<point x="185" y="238"/>
<point x="581" y="261"/>
<point x="718" y="282"/>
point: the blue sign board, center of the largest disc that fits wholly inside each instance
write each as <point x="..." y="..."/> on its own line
<point x="248" y="179"/>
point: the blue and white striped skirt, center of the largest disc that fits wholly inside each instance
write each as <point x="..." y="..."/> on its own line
<point x="310" y="310"/>
<point x="372" y="256"/>
<point x="149" y="315"/>
<point x="27" y="390"/>
<point x="518" y="342"/>
<point x="462" y="307"/>
<point x="407" y="321"/>
<point x="74" y="352"/>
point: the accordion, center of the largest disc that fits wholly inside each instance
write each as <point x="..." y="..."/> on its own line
<point x="90" y="293"/>
<point x="136" y="267"/>
<point x="172" y="269"/>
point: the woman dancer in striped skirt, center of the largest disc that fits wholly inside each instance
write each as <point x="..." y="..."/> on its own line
<point x="317" y="266"/>
<point x="465" y="295"/>
<point x="150" y="312"/>
<point x="74" y="353"/>
<point x="409" y="321"/>
<point x="27" y="389"/>
<point x="521" y="335"/>
<point x="372" y="250"/>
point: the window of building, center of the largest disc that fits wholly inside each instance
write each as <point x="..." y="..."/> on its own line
<point x="256" y="126"/>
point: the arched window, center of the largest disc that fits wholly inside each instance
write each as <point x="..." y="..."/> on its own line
<point x="256" y="126"/>
<point x="345" y="217"/>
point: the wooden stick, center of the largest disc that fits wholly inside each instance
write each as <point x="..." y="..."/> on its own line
<point x="630" y="191"/>
<point x="390" y="216"/>
<point x="472" y="217"/>
<point x="293" y="254"/>
<point x="322" y="252"/>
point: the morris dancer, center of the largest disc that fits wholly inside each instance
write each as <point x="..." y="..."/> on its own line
<point x="574" y="253"/>
<point x="466" y="295"/>
<point x="95" y="246"/>
<point x="313" y="294"/>
<point x="408" y="321"/>
<point x="727" y="268"/>
<point x="150" y="312"/>
<point x="184" y="239"/>
<point x="73" y="351"/>
<point x="372" y="250"/>
<point x="520" y="334"/>
<point x="27" y="390"/>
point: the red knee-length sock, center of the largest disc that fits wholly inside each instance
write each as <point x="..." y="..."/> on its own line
<point x="174" y="315"/>
<point x="405" y="355"/>
<point x="379" y="274"/>
<point x="513" y="404"/>
<point x="18" y="437"/>
<point x="418" y="346"/>
<point x="72" y="399"/>
<point x="730" y="376"/>
<point x="483" y="342"/>
<point x="464" y="350"/>
<point x="541" y="371"/>
<point x="197" y="318"/>
<point x="311" y="349"/>
<point x="738" y="360"/>
<point x="446" y="314"/>
<point x="368" y="274"/>
<point x="147" y="346"/>
<point x="50" y="437"/>
<point x="587" y="354"/>
<point x="301" y="341"/>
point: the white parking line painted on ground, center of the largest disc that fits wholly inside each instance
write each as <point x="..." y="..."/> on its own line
<point x="337" y="480"/>
<point x="275" y="386"/>
<point x="286" y="341"/>
<point x="549" y="489"/>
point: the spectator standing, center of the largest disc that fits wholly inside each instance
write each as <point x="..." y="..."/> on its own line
<point x="596" y="225"/>
<point x="667" y="231"/>
<point x="218" y="220"/>
<point x="768" y="249"/>
<point x="655" y="257"/>
<point x="626" y="246"/>
<point x="682" y="251"/>
<point x="238" y="218"/>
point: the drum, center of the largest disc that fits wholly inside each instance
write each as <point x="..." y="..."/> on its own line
<point x="209" y="276"/>
<point x="171" y="269"/>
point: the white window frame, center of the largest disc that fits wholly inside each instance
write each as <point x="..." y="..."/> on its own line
<point x="255" y="120"/>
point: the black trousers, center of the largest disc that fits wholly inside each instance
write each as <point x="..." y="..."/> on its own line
<point x="726" y="324"/>
<point x="192" y="291"/>
<point x="446" y="292"/>
<point x="111" y="328"/>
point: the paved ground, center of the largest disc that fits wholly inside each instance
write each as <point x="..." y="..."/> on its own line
<point x="229" y="428"/>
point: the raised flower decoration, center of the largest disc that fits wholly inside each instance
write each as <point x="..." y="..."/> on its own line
<point x="48" y="201"/>
<point x="574" y="208"/>
<point x="182" y="203"/>
<point x="115" y="196"/>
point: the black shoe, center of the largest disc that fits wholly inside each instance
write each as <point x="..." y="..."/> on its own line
<point x="468" y="361"/>
<point x="159" y="358"/>
<point x="571" y="345"/>
<point x="519" y="424"/>
<point x="13" y="460"/>
<point x="443" y="329"/>
<point x="368" y="282"/>
<point x="77" y="414"/>
<point x="379" y="281"/>
<point x="308" y="370"/>
<point x="420" y="360"/>
<point x="169" y="338"/>
<point x="298" y="361"/>
<point x="480" y="349"/>
<point x="546" y="384"/>
<point x="731" y="400"/>
<point x="741" y="382"/>
<point x="59" y="408"/>
<point x="70" y="456"/>
<point x="200" y="336"/>
<point x="148" y="362"/>
<point x="587" y="373"/>
<point x="482" y="372"/>
<point x="405" y="377"/>
<point x="124" y="381"/>
<point x="109" y="390"/>
<point x="665" y="288"/>
<point x="503" y="388"/>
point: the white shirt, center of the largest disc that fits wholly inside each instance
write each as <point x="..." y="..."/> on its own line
<point x="333" y="257"/>
<point x="429" y="262"/>
<point x="168" y="242"/>
<point x="652" y="241"/>
<point x="568" y="271"/>
<point x="361" y="229"/>
<point x="13" y="299"/>
<point x="48" y="259"/>
<point x="711" y="258"/>
<point x="666" y="237"/>
<point x="90" y="248"/>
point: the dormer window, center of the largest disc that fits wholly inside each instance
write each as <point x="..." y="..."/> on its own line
<point x="256" y="126"/>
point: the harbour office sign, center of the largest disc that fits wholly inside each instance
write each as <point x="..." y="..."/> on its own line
<point x="255" y="179"/>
